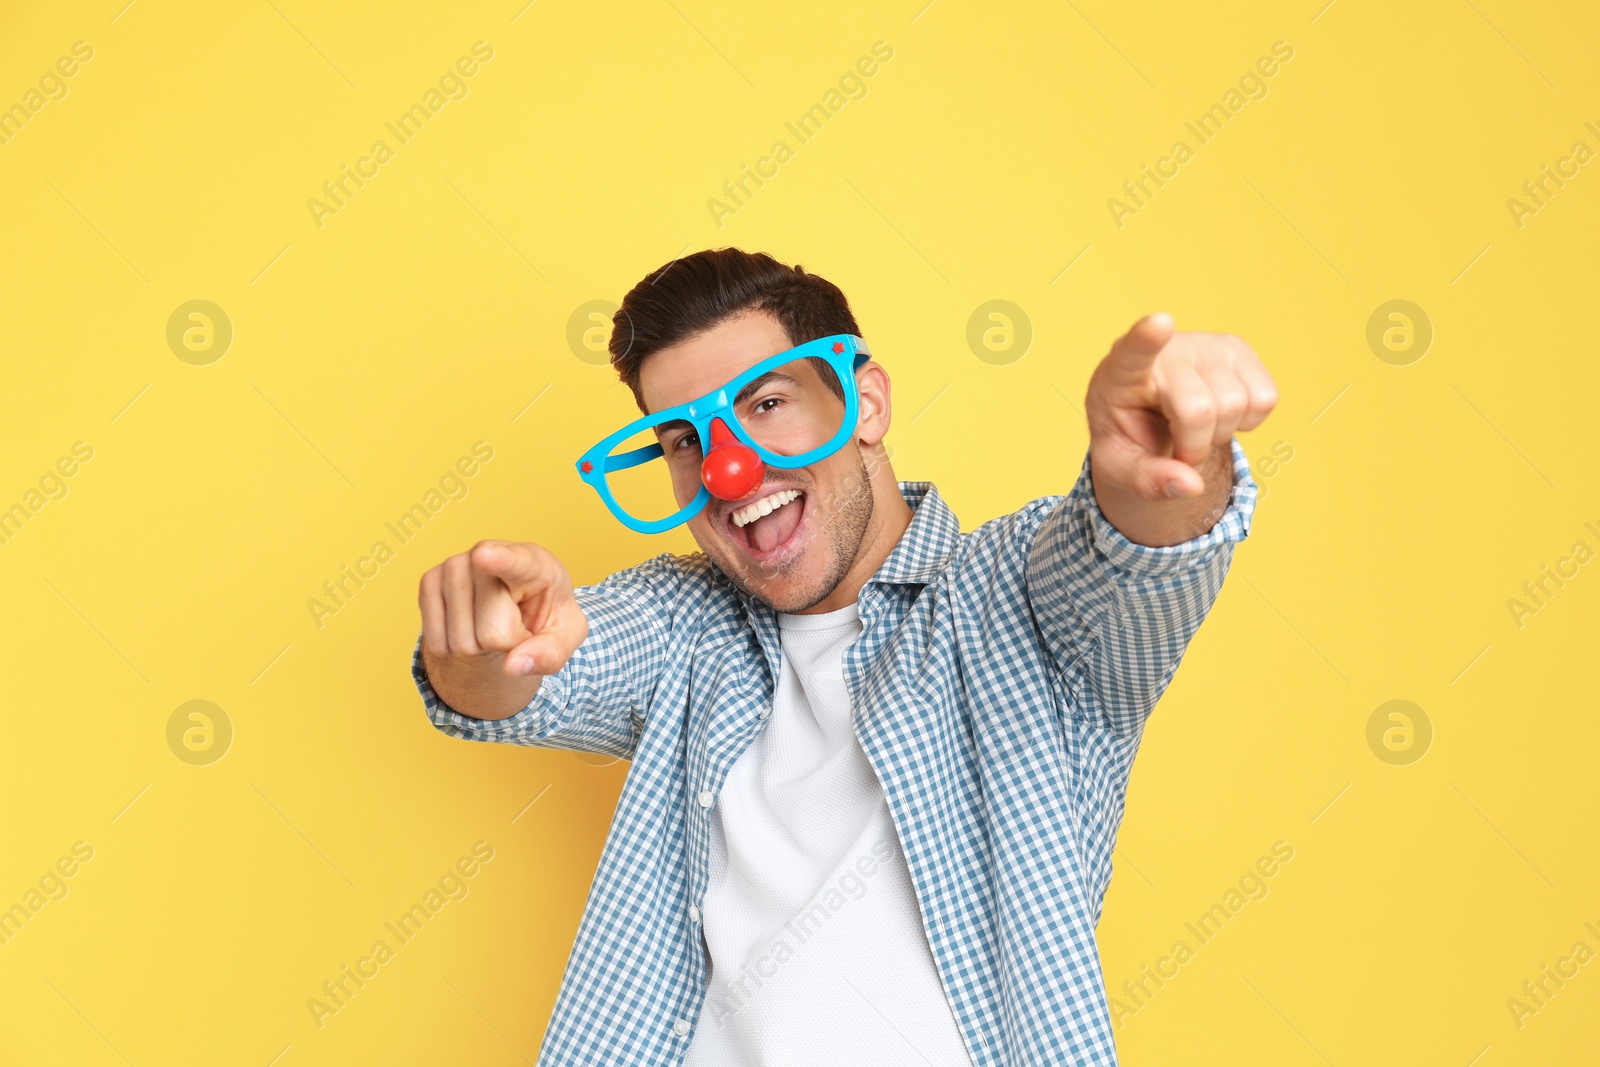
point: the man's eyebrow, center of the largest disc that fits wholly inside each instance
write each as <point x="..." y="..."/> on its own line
<point x="761" y="380"/>
<point x="744" y="394"/>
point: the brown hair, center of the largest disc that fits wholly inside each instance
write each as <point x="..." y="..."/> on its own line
<point x="698" y="292"/>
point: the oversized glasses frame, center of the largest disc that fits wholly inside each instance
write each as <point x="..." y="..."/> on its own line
<point x="845" y="353"/>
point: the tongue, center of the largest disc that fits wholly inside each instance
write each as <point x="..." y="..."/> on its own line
<point x="771" y="529"/>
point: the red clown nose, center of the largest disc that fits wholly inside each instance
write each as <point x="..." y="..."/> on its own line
<point x="731" y="470"/>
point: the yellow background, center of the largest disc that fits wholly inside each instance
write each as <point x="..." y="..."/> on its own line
<point x="372" y="351"/>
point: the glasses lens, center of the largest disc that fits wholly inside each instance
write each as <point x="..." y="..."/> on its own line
<point x="794" y="408"/>
<point x="647" y="490"/>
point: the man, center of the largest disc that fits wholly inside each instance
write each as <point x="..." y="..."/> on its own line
<point x="878" y="764"/>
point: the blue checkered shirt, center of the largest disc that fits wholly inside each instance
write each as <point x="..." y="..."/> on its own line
<point x="1000" y="686"/>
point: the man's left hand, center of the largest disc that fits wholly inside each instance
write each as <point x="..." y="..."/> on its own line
<point x="1162" y="409"/>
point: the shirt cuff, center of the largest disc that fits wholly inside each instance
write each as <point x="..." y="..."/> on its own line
<point x="1232" y="526"/>
<point x="550" y="697"/>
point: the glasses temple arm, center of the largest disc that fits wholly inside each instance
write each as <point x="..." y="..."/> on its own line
<point x="632" y="459"/>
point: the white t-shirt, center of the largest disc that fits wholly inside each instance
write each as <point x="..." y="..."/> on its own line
<point x="818" y="955"/>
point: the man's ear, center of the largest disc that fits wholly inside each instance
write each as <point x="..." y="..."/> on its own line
<point x="872" y="385"/>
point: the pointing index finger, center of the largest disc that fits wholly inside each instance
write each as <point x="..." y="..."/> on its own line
<point x="1138" y="348"/>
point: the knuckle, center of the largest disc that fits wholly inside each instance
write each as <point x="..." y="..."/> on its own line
<point x="473" y="554"/>
<point x="1231" y="403"/>
<point x="496" y="639"/>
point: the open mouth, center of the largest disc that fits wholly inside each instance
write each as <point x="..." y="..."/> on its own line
<point x="772" y="535"/>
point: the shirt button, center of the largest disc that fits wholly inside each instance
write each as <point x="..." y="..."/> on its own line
<point x="707" y="798"/>
<point x="766" y="711"/>
<point x="694" y="914"/>
<point x="681" y="1027"/>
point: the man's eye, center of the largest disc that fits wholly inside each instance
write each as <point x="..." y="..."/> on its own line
<point x="678" y="444"/>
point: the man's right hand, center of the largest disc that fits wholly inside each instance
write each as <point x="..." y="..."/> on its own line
<point x="495" y="621"/>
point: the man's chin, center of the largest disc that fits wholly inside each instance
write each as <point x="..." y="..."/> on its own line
<point x="783" y="592"/>
<point x="788" y="586"/>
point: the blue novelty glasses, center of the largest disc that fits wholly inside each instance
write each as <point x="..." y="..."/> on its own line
<point x="787" y="411"/>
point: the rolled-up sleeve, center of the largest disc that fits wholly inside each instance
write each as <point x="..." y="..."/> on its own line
<point x="1117" y="616"/>
<point x="597" y="701"/>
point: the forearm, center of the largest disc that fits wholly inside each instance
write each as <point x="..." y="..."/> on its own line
<point x="1117" y="614"/>
<point x="483" y="690"/>
<point x="1161" y="522"/>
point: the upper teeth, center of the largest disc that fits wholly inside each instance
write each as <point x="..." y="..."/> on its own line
<point x="765" y="506"/>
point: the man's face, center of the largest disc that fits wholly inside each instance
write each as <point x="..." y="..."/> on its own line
<point x="796" y="555"/>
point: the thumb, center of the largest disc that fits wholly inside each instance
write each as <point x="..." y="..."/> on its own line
<point x="1137" y="349"/>
<point x="1125" y="465"/>
<point x="547" y="651"/>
